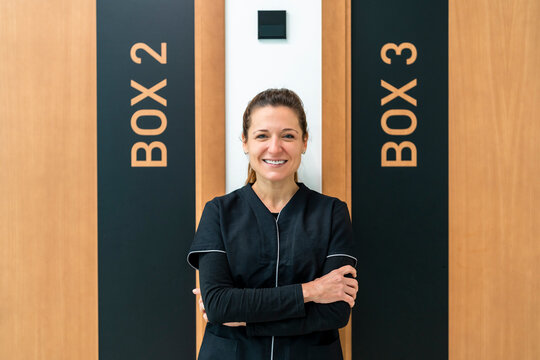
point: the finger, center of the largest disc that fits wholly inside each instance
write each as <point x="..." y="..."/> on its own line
<point x="348" y="269"/>
<point x="196" y="291"/>
<point x="349" y="300"/>
<point x="234" y="324"/>
<point x="351" y="283"/>
<point x="351" y="292"/>
<point x="205" y="317"/>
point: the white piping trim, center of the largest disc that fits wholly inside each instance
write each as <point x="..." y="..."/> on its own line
<point x="277" y="262"/>
<point x="277" y="271"/>
<point x="202" y="251"/>
<point x="352" y="257"/>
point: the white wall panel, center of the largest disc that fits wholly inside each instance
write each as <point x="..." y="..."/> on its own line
<point x="253" y="65"/>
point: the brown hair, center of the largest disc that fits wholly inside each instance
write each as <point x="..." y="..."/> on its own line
<point x="274" y="97"/>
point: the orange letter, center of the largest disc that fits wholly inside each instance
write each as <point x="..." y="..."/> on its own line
<point x="146" y="112"/>
<point x="150" y="92"/>
<point x="148" y="162"/>
<point x="398" y="162"/>
<point x="398" y="112"/>
<point x="401" y="92"/>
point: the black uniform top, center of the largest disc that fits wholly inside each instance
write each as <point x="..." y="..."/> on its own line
<point x="252" y="266"/>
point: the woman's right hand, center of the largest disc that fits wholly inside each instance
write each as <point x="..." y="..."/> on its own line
<point x="332" y="287"/>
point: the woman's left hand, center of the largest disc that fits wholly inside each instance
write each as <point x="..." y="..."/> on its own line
<point x="197" y="291"/>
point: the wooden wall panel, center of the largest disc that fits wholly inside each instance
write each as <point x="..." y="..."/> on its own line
<point x="209" y="112"/>
<point x="494" y="184"/>
<point x="48" y="206"/>
<point x="336" y="99"/>
<point x="336" y="113"/>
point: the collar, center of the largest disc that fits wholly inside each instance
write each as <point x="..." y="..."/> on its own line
<point x="263" y="213"/>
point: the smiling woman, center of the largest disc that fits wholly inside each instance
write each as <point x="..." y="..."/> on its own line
<point x="275" y="143"/>
<point x="274" y="256"/>
<point x="277" y="113"/>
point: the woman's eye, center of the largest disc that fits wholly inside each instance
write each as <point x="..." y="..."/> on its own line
<point x="260" y="136"/>
<point x="289" y="136"/>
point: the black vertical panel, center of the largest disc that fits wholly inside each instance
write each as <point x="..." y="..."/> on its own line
<point x="145" y="214"/>
<point x="400" y="214"/>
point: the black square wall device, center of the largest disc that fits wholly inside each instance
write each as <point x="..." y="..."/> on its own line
<point x="272" y="24"/>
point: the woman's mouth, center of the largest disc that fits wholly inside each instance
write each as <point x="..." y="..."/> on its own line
<point x="275" y="162"/>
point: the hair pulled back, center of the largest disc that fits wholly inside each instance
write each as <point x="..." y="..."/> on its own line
<point x="273" y="97"/>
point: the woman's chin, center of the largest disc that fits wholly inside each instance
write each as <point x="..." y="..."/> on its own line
<point x="277" y="178"/>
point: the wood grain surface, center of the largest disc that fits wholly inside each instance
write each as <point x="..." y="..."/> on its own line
<point x="209" y="113"/>
<point x="494" y="184"/>
<point x="336" y="113"/>
<point x="48" y="181"/>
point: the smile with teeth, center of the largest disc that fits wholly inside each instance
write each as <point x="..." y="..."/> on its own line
<point x="275" y="162"/>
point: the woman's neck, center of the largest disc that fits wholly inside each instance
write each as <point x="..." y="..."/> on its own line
<point x="275" y="195"/>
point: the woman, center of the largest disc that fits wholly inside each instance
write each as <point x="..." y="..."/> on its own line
<point x="274" y="256"/>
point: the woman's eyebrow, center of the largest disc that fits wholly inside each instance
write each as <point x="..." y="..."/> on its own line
<point x="289" y="130"/>
<point x="266" y="130"/>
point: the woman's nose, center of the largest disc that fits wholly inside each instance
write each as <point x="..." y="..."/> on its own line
<point x="275" y="145"/>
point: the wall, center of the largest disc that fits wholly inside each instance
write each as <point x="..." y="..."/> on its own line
<point x="253" y="65"/>
<point x="48" y="182"/>
<point x="48" y="234"/>
<point x="494" y="187"/>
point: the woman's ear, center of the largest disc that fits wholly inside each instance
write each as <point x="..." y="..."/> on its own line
<point x="244" y="143"/>
<point x="305" y="142"/>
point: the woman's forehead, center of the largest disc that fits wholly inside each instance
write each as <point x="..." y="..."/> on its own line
<point x="274" y="117"/>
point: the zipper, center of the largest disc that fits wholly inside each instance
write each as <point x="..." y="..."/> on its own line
<point x="277" y="270"/>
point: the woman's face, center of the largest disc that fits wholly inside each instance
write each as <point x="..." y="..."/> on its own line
<point x="274" y="143"/>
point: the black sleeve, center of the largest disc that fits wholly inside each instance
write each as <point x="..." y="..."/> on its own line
<point x="319" y="317"/>
<point x="225" y="303"/>
<point x="208" y="235"/>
